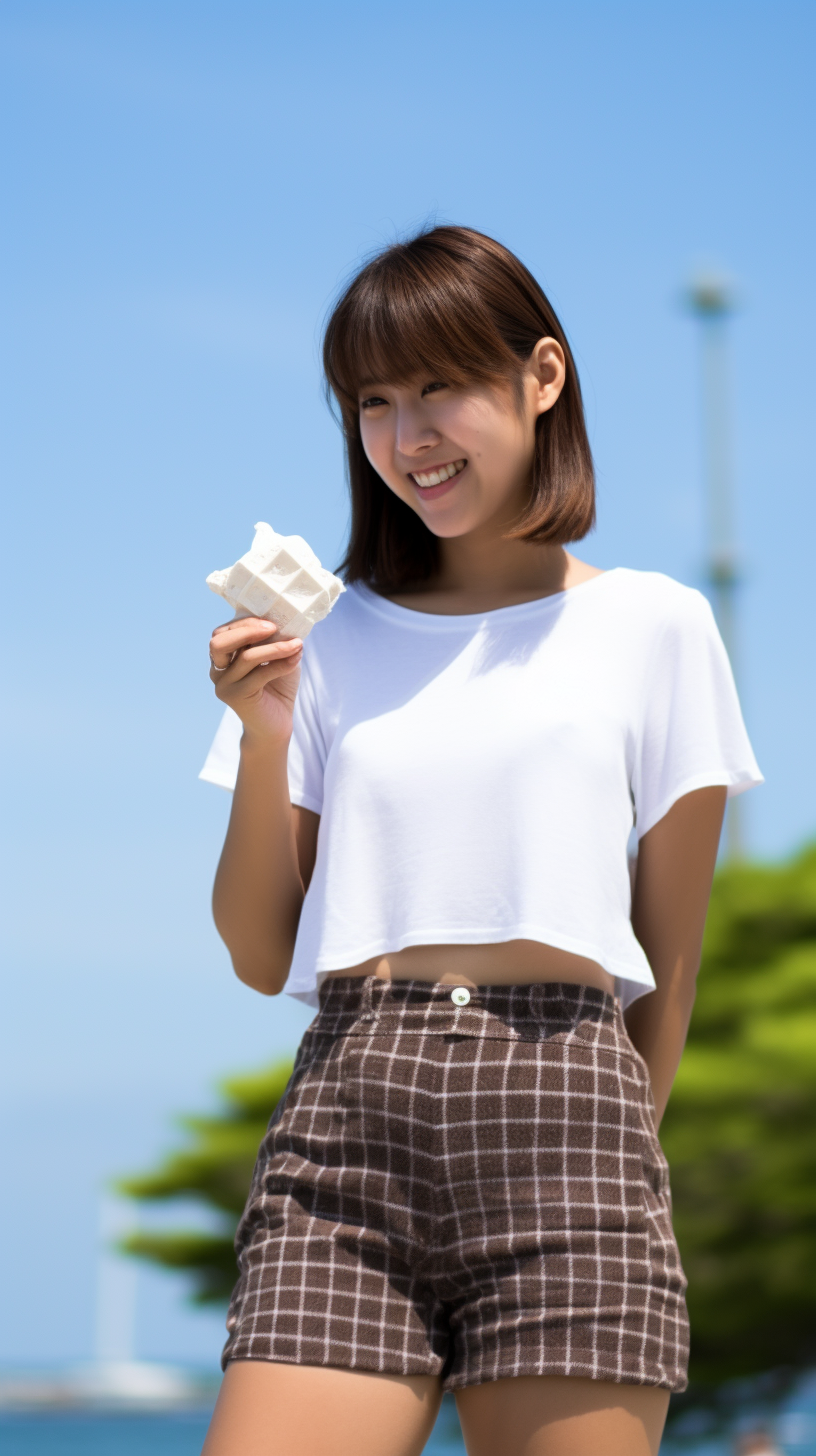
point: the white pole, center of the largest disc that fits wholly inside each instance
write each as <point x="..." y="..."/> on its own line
<point x="115" y="1287"/>
<point x="710" y="300"/>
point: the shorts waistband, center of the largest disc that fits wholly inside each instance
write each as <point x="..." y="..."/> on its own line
<point x="368" y="1005"/>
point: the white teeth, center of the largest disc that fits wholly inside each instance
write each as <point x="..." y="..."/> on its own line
<point x="435" y="477"/>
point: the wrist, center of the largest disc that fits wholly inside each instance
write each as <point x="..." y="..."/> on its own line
<point x="260" y="747"/>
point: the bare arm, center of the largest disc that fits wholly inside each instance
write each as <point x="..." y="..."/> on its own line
<point x="676" y="862"/>
<point x="264" y="871"/>
<point x="270" y="847"/>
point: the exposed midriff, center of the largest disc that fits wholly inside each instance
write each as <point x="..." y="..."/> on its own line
<point x="511" y="962"/>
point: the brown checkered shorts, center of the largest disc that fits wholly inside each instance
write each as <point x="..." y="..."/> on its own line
<point x="468" y="1191"/>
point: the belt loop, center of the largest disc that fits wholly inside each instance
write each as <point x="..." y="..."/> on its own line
<point x="366" y="1002"/>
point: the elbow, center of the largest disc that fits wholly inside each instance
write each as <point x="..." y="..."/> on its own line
<point x="267" y="979"/>
<point x="261" y="960"/>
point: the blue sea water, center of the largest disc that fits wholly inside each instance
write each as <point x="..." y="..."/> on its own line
<point x="182" y="1434"/>
<point x="82" y="1434"/>
<point x="102" y="1435"/>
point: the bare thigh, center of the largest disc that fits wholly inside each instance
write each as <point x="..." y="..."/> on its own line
<point x="558" y="1415"/>
<point x="270" y="1409"/>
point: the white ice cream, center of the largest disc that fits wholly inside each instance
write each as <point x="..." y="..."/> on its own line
<point x="279" y="578"/>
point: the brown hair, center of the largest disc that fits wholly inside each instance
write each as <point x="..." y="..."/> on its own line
<point x="452" y="304"/>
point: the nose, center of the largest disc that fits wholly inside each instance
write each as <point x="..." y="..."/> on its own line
<point x="415" y="434"/>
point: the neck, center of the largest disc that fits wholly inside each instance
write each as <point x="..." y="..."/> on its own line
<point x="494" y="565"/>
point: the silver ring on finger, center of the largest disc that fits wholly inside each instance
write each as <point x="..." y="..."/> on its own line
<point x="215" y="666"/>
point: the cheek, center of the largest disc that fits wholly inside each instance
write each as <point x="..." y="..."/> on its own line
<point x="495" y="446"/>
<point x="374" y="444"/>
<point x="486" y="432"/>
<point x="507" y="444"/>
<point x="378" y="443"/>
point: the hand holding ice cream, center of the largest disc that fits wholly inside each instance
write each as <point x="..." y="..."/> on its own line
<point x="279" y="590"/>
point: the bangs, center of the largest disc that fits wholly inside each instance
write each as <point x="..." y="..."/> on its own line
<point x="407" y="317"/>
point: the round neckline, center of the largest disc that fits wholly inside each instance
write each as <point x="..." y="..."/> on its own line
<point x="410" y="616"/>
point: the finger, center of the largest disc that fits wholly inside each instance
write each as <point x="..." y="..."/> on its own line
<point x="265" y="672"/>
<point x="249" y="658"/>
<point x="224" y="646"/>
<point x="268" y="652"/>
<point x="233" y="637"/>
<point x="246" y="622"/>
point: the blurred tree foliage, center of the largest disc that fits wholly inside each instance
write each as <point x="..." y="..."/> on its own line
<point x="215" y="1168"/>
<point x="738" y="1133"/>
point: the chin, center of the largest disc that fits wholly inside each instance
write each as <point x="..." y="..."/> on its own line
<point x="449" y="530"/>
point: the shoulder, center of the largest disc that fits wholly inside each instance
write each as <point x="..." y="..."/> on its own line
<point x="659" y="603"/>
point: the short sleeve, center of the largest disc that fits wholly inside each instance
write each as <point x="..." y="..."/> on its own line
<point x="307" y="754"/>
<point x="691" y="734"/>
<point x="307" y="748"/>
<point x="221" y="763"/>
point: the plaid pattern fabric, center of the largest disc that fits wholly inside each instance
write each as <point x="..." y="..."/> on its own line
<point x="472" y="1191"/>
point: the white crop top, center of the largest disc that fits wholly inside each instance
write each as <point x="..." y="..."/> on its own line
<point x="478" y="777"/>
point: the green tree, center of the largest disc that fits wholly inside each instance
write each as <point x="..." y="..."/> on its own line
<point x="215" y="1168"/>
<point x="739" y="1128"/>
<point x="738" y="1133"/>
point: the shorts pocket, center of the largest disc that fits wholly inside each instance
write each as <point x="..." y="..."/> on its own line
<point x="558" y="1140"/>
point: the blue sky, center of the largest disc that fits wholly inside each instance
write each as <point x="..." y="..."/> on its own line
<point x="188" y="186"/>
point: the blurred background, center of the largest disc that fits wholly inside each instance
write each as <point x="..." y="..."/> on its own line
<point x="185" y="188"/>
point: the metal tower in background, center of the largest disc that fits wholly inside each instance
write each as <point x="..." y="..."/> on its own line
<point x="710" y="300"/>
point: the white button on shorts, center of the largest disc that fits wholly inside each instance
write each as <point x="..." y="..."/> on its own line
<point x="460" y="996"/>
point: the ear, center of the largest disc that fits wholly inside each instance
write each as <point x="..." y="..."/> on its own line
<point x="548" y="370"/>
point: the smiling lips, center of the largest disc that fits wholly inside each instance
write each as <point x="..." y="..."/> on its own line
<point x="428" y="481"/>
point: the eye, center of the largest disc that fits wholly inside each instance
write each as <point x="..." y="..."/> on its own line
<point x="373" y="401"/>
<point x="433" y="387"/>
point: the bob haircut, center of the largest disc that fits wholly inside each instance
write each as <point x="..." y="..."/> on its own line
<point x="455" y="305"/>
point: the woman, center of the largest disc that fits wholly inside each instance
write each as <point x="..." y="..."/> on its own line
<point x="462" y="1188"/>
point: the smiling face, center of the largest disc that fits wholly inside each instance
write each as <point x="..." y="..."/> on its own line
<point x="461" y="457"/>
